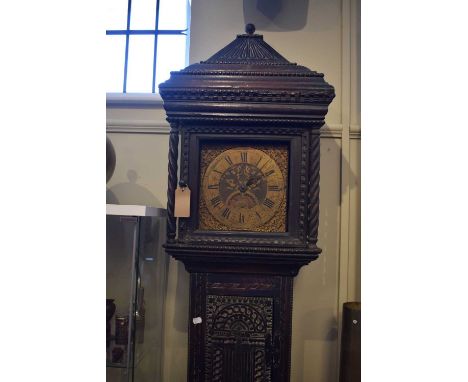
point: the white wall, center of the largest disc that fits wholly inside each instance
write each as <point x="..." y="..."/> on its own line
<point x="324" y="36"/>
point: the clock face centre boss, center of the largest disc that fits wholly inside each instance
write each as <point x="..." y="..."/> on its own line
<point x="243" y="188"/>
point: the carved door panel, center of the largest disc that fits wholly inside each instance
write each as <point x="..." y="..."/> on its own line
<point x="245" y="334"/>
<point x="238" y="337"/>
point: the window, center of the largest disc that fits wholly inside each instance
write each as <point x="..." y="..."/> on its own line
<point x="146" y="40"/>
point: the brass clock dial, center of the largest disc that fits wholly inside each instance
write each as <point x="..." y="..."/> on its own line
<point x="243" y="188"/>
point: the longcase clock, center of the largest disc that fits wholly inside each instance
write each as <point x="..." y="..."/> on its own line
<point x="245" y="139"/>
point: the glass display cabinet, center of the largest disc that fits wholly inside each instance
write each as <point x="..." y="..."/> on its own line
<point x="136" y="272"/>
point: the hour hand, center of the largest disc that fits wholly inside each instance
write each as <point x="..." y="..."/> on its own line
<point x="253" y="181"/>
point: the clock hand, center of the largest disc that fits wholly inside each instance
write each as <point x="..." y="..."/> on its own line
<point x="253" y="181"/>
<point x="250" y="181"/>
<point x="243" y="186"/>
<point x="240" y="186"/>
<point x="241" y="174"/>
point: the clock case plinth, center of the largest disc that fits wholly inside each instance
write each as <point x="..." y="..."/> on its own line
<point x="246" y="93"/>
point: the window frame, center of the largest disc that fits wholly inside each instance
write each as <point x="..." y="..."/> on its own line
<point x="116" y="98"/>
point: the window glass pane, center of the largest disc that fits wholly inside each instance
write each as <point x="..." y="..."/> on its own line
<point x="143" y="14"/>
<point x="115" y="57"/>
<point x="171" y="56"/>
<point x="140" y="64"/>
<point x="116" y="14"/>
<point x="173" y="14"/>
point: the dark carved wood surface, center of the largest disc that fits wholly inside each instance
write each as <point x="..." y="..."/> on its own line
<point x="297" y="139"/>
<point x="172" y="181"/>
<point x="245" y="332"/>
<point x="268" y="96"/>
<point x="218" y="260"/>
<point x="238" y="331"/>
<point x="313" y="197"/>
<point x="248" y="125"/>
<point x="247" y="78"/>
<point x="241" y="282"/>
<point x="248" y="48"/>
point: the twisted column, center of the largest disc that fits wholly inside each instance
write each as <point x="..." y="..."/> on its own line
<point x="314" y="188"/>
<point x="172" y="181"/>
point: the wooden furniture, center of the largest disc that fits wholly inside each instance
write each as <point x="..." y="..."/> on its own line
<point x="249" y="127"/>
<point x="350" y="359"/>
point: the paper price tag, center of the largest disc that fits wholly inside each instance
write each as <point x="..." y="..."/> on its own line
<point x="182" y="202"/>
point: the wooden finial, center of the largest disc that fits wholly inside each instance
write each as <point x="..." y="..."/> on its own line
<point x="250" y="29"/>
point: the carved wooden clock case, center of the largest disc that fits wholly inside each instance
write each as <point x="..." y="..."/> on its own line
<point x="249" y="126"/>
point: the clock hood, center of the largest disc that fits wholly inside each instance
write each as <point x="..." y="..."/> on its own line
<point x="247" y="77"/>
